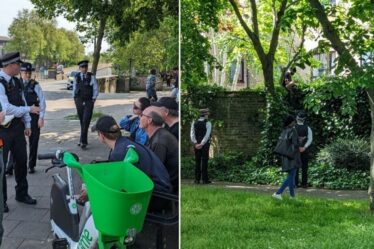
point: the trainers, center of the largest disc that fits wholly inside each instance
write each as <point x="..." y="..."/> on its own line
<point x="277" y="196"/>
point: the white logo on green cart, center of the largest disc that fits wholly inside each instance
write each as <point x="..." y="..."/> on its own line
<point x="136" y="208"/>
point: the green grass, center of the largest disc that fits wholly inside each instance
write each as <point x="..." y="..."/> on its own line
<point x="214" y="217"/>
<point x="95" y="116"/>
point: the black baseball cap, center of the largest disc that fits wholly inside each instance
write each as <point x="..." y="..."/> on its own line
<point x="167" y="102"/>
<point x="106" y="124"/>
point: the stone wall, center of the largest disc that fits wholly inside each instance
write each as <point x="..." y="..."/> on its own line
<point x="241" y="126"/>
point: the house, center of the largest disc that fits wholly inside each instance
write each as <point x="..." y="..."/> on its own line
<point x="3" y="41"/>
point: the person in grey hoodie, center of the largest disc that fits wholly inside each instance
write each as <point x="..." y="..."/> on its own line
<point x="151" y="86"/>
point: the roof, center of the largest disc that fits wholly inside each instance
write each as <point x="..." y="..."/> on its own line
<point x="4" y="38"/>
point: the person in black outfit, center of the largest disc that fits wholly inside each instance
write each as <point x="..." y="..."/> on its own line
<point x="305" y="140"/>
<point x="34" y="96"/>
<point x="85" y="92"/>
<point x="287" y="81"/>
<point x="11" y="95"/>
<point x="200" y="136"/>
<point x="162" y="143"/>
<point x="109" y="133"/>
<point x="170" y="114"/>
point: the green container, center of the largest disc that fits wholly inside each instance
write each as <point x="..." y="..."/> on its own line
<point x="119" y="194"/>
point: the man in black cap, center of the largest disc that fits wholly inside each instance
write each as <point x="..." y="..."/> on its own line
<point x="201" y="130"/>
<point x="11" y="95"/>
<point x="85" y="92"/>
<point x="170" y="110"/>
<point x="305" y="140"/>
<point x="109" y="133"/>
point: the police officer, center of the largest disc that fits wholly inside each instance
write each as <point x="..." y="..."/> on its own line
<point x="11" y="95"/>
<point x="85" y="92"/>
<point x="2" y="167"/>
<point x="201" y="130"/>
<point x="34" y="96"/>
<point x="305" y="140"/>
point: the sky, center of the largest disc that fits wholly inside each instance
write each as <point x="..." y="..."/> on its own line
<point x="9" y="10"/>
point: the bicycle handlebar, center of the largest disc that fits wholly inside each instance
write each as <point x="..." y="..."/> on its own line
<point x="46" y="156"/>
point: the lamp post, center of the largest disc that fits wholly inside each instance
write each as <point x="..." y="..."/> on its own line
<point x="130" y="70"/>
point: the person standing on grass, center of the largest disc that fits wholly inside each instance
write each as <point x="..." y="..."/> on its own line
<point x="201" y="130"/>
<point x="289" y="165"/>
<point x="305" y="139"/>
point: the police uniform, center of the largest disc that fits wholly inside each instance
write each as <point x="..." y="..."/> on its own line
<point x="34" y="96"/>
<point x="11" y="95"/>
<point x="305" y="139"/>
<point x="200" y="134"/>
<point x="2" y="167"/>
<point x="85" y="92"/>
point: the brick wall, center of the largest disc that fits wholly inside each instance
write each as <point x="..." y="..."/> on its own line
<point x="241" y="116"/>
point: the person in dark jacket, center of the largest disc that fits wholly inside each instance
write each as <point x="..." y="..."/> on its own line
<point x="85" y="92"/>
<point x="201" y="130"/>
<point x="170" y="109"/>
<point x="34" y="96"/>
<point x="109" y="133"/>
<point x="162" y="143"/>
<point x="13" y="101"/>
<point x="289" y="165"/>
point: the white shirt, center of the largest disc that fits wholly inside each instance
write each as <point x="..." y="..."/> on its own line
<point x="17" y="111"/>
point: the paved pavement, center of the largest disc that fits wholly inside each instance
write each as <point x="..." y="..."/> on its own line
<point x="27" y="227"/>
<point x="270" y="189"/>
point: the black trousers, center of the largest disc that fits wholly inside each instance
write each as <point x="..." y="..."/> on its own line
<point x="304" y="170"/>
<point x="84" y="109"/>
<point x="201" y="163"/>
<point x="15" y="142"/>
<point x="33" y="140"/>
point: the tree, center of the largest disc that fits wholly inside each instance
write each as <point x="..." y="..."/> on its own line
<point x="95" y="17"/>
<point x="266" y="58"/>
<point x="40" y="41"/>
<point x="358" y="40"/>
<point x="156" y="48"/>
<point x="197" y="18"/>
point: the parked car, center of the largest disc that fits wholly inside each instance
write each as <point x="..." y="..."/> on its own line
<point x="71" y="80"/>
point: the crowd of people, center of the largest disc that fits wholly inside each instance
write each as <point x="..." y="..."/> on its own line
<point x="153" y="127"/>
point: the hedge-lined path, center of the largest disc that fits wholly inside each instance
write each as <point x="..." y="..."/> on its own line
<point x="270" y="189"/>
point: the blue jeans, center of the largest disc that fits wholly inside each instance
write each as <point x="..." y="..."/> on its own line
<point x="289" y="182"/>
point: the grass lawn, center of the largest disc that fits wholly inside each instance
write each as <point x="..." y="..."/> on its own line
<point x="214" y="217"/>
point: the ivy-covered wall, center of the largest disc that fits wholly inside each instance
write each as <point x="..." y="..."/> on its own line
<point x="238" y="129"/>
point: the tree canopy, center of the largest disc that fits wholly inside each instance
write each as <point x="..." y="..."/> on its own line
<point x="116" y="19"/>
<point x="40" y="41"/>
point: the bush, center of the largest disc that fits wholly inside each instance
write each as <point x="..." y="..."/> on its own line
<point x="326" y="176"/>
<point x="350" y="154"/>
<point x="234" y="168"/>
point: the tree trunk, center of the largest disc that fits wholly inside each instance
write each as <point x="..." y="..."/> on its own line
<point x="268" y="72"/>
<point x="99" y="40"/>
<point x="333" y="36"/>
<point x="370" y="93"/>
